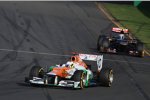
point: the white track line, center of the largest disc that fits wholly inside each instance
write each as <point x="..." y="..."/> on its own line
<point x="127" y="62"/>
<point x="52" y="54"/>
<point x="30" y="52"/>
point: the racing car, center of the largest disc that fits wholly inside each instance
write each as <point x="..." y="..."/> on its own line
<point x="119" y="41"/>
<point x="75" y="73"/>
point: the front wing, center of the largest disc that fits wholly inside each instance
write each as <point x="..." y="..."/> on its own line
<point x="62" y="83"/>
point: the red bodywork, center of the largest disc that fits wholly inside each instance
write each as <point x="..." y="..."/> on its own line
<point x="118" y="30"/>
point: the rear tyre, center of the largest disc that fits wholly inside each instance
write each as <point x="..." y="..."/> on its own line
<point x="79" y="76"/>
<point x="140" y="49"/>
<point x="105" y="77"/>
<point x="141" y="53"/>
<point x="36" y="71"/>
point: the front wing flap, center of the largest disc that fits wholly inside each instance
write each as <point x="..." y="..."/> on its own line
<point x="62" y="83"/>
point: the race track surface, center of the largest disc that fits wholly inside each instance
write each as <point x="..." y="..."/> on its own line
<point x="53" y="30"/>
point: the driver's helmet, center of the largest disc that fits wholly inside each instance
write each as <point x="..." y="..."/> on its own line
<point x="70" y="64"/>
<point x="121" y="37"/>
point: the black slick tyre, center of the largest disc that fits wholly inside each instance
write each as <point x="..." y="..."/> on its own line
<point x="102" y="43"/>
<point x="105" y="77"/>
<point x="78" y="77"/>
<point x="141" y="53"/>
<point x="105" y="43"/>
<point x="140" y="49"/>
<point x="36" y="71"/>
<point x="99" y="41"/>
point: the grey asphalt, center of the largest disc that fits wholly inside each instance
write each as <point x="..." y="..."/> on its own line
<point x="61" y="28"/>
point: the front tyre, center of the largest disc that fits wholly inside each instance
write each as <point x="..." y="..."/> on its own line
<point x="36" y="71"/>
<point x="79" y="76"/>
<point x="99" y="41"/>
<point x="103" y="44"/>
<point x="105" y="77"/>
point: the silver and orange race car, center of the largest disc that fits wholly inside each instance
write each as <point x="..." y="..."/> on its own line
<point x="118" y="41"/>
<point x="75" y="73"/>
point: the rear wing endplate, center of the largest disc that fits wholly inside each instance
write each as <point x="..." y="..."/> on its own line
<point x="89" y="57"/>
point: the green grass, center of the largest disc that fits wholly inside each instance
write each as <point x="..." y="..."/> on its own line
<point x="136" y="19"/>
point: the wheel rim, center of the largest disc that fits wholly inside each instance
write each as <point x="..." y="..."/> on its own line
<point x="41" y="72"/>
<point x="82" y="81"/>
<point x="46" y="81"/>
<point x="110" y="77"/>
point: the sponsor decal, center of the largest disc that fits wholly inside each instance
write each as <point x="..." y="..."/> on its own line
<point x="88" y="57"/>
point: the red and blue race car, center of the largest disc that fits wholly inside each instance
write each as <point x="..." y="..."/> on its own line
<point x="118" y="41"/>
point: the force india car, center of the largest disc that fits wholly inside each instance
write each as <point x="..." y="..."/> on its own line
<point x="75" y="73"/>
<point x="118" y="41"/>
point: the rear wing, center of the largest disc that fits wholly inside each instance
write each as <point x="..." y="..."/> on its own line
<point x="97" y="58"/>
<point x="118" y="30"/>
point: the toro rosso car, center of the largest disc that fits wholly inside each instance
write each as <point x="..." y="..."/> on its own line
<point x="119" y="41"/>
<point x="75" y="73"/>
